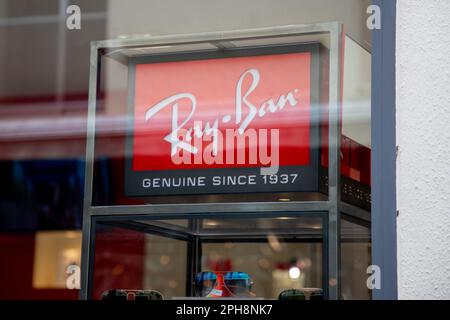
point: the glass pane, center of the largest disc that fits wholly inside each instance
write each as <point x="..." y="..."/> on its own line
<point x="304" y="226"/>
<point x="204" y="226"/>
<point x="126" y="259"/>
<point x="274" y="266"/>
<point x="277" y="253"/>
<point x="28" y="8"/>
<point x="356" y="126"/>
<point x="355" y="259"/>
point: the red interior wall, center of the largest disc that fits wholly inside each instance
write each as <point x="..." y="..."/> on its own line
<point x="119" y="260"/>
<point x="16" y="271"/>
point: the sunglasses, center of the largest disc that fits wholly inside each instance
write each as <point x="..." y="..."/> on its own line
<point x="223" y="284"/>
<point x="122" y="294"/>
<point x="301" y="294"/>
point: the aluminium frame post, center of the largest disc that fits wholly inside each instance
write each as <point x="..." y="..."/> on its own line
<point x="86" y="254"/>
<point x="334" y="140"/>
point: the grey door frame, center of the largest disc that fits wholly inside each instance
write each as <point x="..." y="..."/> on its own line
<point x="384" y="209"/>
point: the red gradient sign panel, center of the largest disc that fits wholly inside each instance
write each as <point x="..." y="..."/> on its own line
<point x="187" y="109"/>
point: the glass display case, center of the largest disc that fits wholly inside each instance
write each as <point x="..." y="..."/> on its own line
<point x="278" y="232"/>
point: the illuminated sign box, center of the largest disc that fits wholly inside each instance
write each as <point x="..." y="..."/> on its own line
<point x="234" y="122"/>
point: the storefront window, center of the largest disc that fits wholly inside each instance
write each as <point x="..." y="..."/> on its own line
<point x="284" y="200"/>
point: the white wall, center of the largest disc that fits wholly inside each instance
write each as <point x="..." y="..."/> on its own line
<point x="423" y="135"/>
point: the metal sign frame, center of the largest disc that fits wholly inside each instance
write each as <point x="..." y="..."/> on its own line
<point x="222" y="40"/>
<point x="309" y="173"/>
